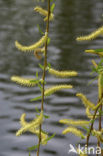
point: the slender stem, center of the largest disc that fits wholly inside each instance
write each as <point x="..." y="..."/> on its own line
<point x="88" y="136"/>
<point x="100" y="92"/>
<point x="100" y="102"/>
<point x="44" y="72"/>
<point x="100" y="97"/>
<point x="100" y="119"/>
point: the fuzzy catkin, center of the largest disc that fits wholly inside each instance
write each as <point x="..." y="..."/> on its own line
<point x="75" y="131"/>
<point x="23" y="81"/>
<point x="94" y="63"/>
<point x="88" y="113"/>
<point x="91" y="36"/>
<point x="33" y="129"/>
<point x="62" y="74"/>
<point x="74" y="122"/>
<point x="86" y="102"/>
<point x="52" y="90"/>
<point x="94" y="52"/>
<point x="44" y="13"/>
<point x="34" y="124"/>
<point x="31" y="47"/>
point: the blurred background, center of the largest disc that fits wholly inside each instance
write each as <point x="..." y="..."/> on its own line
<point x="19" y="22"/>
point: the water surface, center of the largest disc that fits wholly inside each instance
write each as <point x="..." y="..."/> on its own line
<point x="19" y="22"/>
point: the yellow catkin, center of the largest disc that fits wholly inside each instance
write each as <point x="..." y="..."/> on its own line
<point x="34" y="124"/>
<point x="98" y="105"/>
<point x="88" y="113"/>
<point x="62" y="74"/>
<point x="75" y="131"/>
<point x="33" y="130"/>
<point x="86" y="102"/>
<point x="23" y="81"/>
<point x="51" y="17"/>
<point x="94" y="63"/>
<point x="31" y="47"/>
<point x="96" y="133"/>
<point x="74" y="123"/>
<point x="91" y="36"/>
<point x="44" y="13"/>
<point x="52" y="90"/>
<point x="94" y="52"/>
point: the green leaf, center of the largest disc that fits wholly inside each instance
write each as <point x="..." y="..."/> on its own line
<point x="40" y="87"/>
<point x="37" y="75"/>
<point x="49" y="138"/>
<point x="35" y="99"/>
<point x="41" y="66"/>
<point x="36" y="81"/>
<point x="52" y="7"/>
<point x="98" y="50"/>
<point x="48" y="42"/>
<point x="101" y="61"/>
<point x="42" y="81"/>
<point x="40" y="29"/>
<point x="94" y="69"/>
<point x="87" y="129"/>
<point x="33" y="148"/>
<point x="101" y="112"/>
<point x="44" y="132"/>
<point x="92" y="121"/>
<point x="46" y="116"/>
<point x="92" y="80"/>
<point x="49" y="65"/>
<point x="37" y="110"/>
<point x="29" y="154"/>
<point x="82" y="137"/>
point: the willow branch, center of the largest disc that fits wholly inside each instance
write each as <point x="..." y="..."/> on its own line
<point x="44" y="71"/>
<point x="91" y="127"/>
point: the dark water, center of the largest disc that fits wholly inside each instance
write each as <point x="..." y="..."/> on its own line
<point x="18" y="22"/>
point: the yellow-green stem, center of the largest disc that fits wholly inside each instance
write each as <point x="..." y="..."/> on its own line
<point x="43" y="77"/>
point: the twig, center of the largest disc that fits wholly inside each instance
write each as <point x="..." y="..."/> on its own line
<point x="43" y="77"/>
<point x="88" y="136"/>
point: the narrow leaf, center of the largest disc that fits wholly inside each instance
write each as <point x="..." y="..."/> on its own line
<point x="33" y="148"/>
<point x="41" y="66"/>
<point x="37" y="110"/>
<point x="48" y="40"/>
<point x="98" y="50"/>
<point x="49" y="138"/>
<point x="40" y="29"/>
<point x="37" y="75"/>
<point x="52" y="7"/>
<point x="40" y="86"/>
<point x="46" y="116"/>
<point x="35" y="99"/>
<point x="49" y="65"/>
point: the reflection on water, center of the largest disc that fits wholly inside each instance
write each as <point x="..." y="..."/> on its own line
<point x="18" y="22"/>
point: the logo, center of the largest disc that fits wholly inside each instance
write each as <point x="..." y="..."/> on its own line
<point x="81" y="150"/>
<point x="72" y="149"/>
